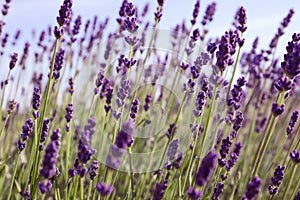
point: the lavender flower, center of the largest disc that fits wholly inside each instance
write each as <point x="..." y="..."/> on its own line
<point x="49" y="170"/>
<point x="159" y="190"/>
<point x="93" y="169"/>
<point x="277" y="109"/>
<point x="200" y="101"/>
<point x="297" y="196"/>
<point x="209" y="13"/>
<point x="295" y="156"/>
<point x="237" y="122"/>
<point x="76" y="28"/>
<point x="36" y="102"/>
<point x="65" y="13"/>
<point x="237" y="94"/>
<point x="252" y="189"/>
<point x="218" y="190"/>
<point x="148" y="101"/>
<point x="26" y="131"/>
<point x="172" y="150"/>
<point x="241" y="19"/>
<point x="195" y="12"/>
<point x="123" y="140"/>
<point x="13" y="60"/>
<point x="291" y="64"/>
<point x="206" y="168"/>
<point x="104" y="189"/>
<point x="44" y="134"/>
<point x="171" y="130"/>
<point x="69" y="115"/>
<point x="226" y="48"/>
<point x="134" y="109"/>
<point x="194" y="194"/>
<point x="294" y="119"/>
<point x="276" y="180"/>
<point x="25" y="55"/>
<point x="59" y="59"/>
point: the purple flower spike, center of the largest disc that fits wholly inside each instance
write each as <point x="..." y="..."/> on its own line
<point x="13" y="60"/>
<point x="226" y="47"/>
<point x="159" y="190"/>
<point x="195" y="12"/>
<point x="36" y="101"/>
<point x="242" y="20"/>
<point x="103" y="189"/>
<point x="294" y="119"/>
<point x="26" y="130"/>
<point x="148" y="101"/>
<point x="93" y="169"/>
<point x="209" y="13"/>
<point x="252" y="189"/>
<point x="134" y="109"/>
<point x="206" y="168"/>
<point x="295" y="156"/>
<point x="291" y="64"/>
<point x="194" y="194"/>
<point x="297" y="196"/>
<point x="277" y="110"/>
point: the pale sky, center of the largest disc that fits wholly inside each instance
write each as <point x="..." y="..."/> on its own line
<point x="264" y="16"/>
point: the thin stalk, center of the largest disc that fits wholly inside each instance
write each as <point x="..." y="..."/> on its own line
<point x="75" y="187"/>
<point x="13" y="177"/>
<point x="287" y="188"/>
<point x="3" y="94"/>
<point x="81" y="189"/>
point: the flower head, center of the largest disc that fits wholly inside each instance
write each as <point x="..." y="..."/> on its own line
<point x="206" y="168"/>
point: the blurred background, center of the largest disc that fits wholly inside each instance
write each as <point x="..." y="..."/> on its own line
<point x="264" y="17"/>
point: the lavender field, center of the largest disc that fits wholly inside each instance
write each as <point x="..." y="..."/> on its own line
<point x="121" y="108"/>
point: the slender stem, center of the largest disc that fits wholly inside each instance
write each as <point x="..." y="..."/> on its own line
<point x="287" y="188"/>
<point x="90" y="190"/>
<point x="75" y="187"/>
<point x="131" y="175"/>
<point x="81" y="189"/>
<point x="13" y="177"/>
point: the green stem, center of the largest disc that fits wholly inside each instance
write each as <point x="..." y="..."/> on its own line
<point x="13" y="177"/>
<point x="81" y="189"/>
<point x="75" y="187"/>
<point x="287" y="188"/>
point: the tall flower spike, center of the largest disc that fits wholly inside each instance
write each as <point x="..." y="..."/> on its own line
<point x="103" y="189"/>
<point x="209" y="13"/>
<point x="194" y="194"/>
<point x="226" y="48"/>
<point x="241" y="19"/>
<point x="195" y="12"/>
<point x="206" y="168"/>
<point x="276" y="180"/>
<point x="294" y="119"/>
<point x="252" y="189"/>
<point x="13" y="60"/>
<point x="65" y="13"/>
<point x="36" y="101"/>
<point x="291" y="64"/>
<point x="26" y="130"/>
<point x="49" y="169"/>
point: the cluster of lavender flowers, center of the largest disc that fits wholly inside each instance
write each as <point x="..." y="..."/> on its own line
<point x="222" y="122"/>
